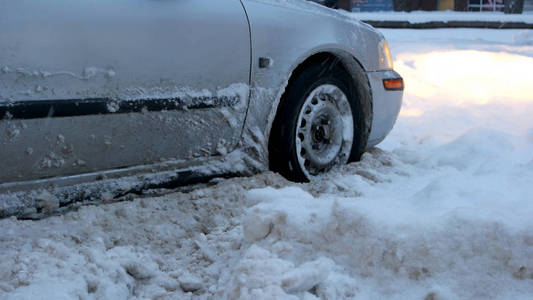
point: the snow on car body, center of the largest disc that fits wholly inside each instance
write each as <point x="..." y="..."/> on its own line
<point x="105" y="89"/>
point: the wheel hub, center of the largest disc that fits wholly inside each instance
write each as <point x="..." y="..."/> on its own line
<point x="325" y="130"/>
<point x="321" y="131"/>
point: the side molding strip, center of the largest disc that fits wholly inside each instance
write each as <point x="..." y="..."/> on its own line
<point x="36" y="109"/>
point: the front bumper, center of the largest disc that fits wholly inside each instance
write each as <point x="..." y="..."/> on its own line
<point x="386" y="105"/>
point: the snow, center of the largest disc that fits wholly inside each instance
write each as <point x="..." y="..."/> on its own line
<point x="441" y="210"/>
<point x="443" y="16"/>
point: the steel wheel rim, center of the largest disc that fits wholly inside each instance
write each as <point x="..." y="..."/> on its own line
<point x="324" y="132"/>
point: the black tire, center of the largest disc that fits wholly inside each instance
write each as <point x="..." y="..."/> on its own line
<point x="283" y="157"/>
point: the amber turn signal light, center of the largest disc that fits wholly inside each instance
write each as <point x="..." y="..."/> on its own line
<point x="395" y="84"/>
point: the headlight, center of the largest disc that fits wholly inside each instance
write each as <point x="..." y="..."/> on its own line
<point x="385" y="58"/>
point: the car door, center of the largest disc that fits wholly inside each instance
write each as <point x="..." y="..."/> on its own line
<point x="100" y="85"/>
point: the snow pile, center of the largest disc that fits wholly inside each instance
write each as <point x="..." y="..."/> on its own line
<point x="174" y="246"/>
<point x="107" y="273"/>
<point x="445" y="234"/>
<point x="145" y="248"/>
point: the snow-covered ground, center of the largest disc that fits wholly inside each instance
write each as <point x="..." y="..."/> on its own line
<point x="444" y="16"/>
<point x="443" y="209"/>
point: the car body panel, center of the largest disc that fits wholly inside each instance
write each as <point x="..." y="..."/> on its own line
<point x="386" y="106"/>
<point x="135" y="50"/>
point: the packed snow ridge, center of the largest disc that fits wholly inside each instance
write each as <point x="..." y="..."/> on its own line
<point x="442" y="210"/>
<point x="444" y="16"/>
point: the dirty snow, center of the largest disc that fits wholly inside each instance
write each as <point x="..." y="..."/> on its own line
<point x="441" y="210"/>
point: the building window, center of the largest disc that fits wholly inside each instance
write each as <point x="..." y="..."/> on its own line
<point x="485" y="5"/>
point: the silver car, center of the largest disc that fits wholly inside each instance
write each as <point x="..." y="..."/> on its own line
<point x="171" y="91"/>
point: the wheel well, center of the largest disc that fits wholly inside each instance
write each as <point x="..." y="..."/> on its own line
<point x="319" y="58"/>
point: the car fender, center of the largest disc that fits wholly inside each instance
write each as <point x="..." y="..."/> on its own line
<point x="288" y="44"/>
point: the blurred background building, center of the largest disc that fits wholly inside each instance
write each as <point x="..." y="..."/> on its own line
<point x="507" y="6"/>
<point x="528" y="5"/>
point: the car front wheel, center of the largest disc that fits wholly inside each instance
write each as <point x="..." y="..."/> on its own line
<point x="319" y="124"/>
